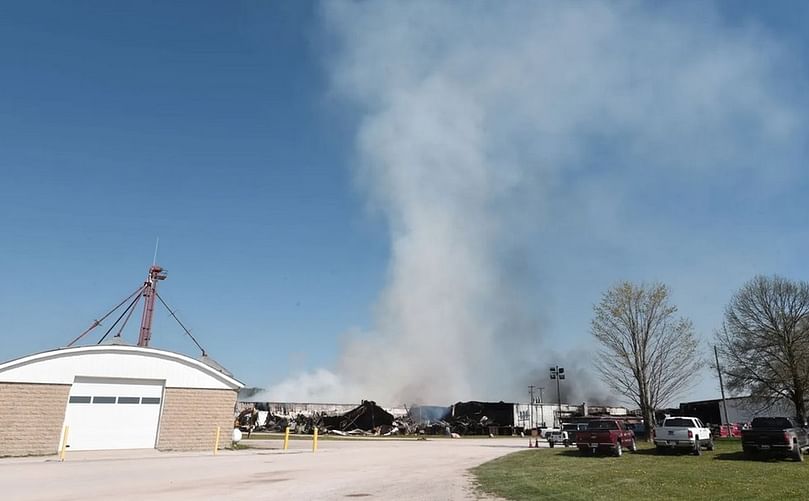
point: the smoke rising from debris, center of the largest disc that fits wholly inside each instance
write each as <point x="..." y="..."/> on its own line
<point x="485" y="126"/>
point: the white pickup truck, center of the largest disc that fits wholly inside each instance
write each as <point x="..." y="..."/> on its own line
<point x="567" y="435"/>
<point x="683" y="432"/>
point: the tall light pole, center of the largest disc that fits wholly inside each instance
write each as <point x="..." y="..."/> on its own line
<point x="541" y="402"/>
<point x="558" y="373"/>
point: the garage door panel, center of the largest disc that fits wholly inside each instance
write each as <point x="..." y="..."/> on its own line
<point x="113" y="414"/>
<point x="101" y="387"/>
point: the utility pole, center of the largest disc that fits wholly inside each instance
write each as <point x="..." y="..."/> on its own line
<point x="531" y="406"/>
<point x="721" y="388"/>
<point x="558" y="373"/>
<point x="541" y="404"/>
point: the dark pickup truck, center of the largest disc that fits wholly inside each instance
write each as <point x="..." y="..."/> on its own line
<point x="780" y="435"/>
<point x="605" y="435"/>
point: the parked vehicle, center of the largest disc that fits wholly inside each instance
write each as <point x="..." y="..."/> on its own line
<point x="683" y="433"/>
<point x="558" y="437"/>
<point x="780" y="435"/>
<point x="733" y="430"/>
<point x="567" y="435"/>
<point x="571" y="429"/>
<point x="546" y="432"/>
<point x="639" y="429"/>
<point x="605" y="435"/>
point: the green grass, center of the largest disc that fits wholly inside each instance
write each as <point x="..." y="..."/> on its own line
<point x="565" y="474"/>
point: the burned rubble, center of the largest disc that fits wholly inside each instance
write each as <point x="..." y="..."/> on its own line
<point x="481" y="418"/>
<point x="368" y="418"/>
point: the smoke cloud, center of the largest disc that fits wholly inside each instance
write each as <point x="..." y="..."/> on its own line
<point x="488" y="129"/>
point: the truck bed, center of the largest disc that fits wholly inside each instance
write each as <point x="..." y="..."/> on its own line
<point x="764" y="440"/>
<point x="779" y="435"/>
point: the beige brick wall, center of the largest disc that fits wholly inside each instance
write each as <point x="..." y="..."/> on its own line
<point x="190" y="417"/>
<point x="32" y="416"/>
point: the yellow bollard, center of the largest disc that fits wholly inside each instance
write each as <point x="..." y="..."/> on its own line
<point x="286" y="438"/>
<point x="216" y="444"/>
<point x="64" y="443"/>
<point x="314" y="441"/>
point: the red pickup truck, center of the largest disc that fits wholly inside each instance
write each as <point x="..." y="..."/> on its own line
<point x="605" y="435"/>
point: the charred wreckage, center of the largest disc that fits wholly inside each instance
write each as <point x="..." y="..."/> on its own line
<point x="368" y="418"/>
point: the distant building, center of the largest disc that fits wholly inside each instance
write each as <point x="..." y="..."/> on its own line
<point x="739" y="410"/>
<point x="547" y="415"/>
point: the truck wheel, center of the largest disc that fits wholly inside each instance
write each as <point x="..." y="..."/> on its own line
<point x="618" y="449"/>
<point x="797" y="455"/>
<point x="633" y="446"/>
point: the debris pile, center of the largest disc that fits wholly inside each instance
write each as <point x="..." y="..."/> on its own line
<point x="303" y="424"/>
<point x="247" y="420"/>
<point x="479" y="418"/>
<point x="367" y="417"/>
<point x="463" y="418"/>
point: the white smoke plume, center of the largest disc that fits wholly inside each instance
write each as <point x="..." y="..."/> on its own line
<point x="486" y="126"/>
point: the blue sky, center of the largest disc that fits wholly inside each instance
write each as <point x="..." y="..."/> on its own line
<point x="245" y="136"/>
<point x="208" y="126"/>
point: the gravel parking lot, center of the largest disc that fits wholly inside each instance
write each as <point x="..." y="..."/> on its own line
<point x="382" y="469"/>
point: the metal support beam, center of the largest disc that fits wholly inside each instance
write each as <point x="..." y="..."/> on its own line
<point x="156" y="273"/>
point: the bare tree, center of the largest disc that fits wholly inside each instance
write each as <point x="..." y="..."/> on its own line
<point x="647" y="353"/>
<point x="764" y="341"/>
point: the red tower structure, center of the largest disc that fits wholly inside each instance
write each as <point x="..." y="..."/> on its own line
<point x="156" y="273"/>
<point x="148" y="291"/>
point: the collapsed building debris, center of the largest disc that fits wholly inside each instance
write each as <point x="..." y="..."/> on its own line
<point x="462" y="418"/>
<point x="364" y="419"/>
<point x="472" y="418"/>
<point x="367" y="416"/>
<point x="247" y="420"/>
<point x="481" y="418"/>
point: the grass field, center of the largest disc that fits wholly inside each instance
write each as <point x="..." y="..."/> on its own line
<point x="565" y="474"/>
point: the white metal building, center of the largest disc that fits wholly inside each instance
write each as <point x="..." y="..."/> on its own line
<point x="112" y="397"/>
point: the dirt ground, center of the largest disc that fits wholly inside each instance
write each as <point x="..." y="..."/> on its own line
<point x="344" y="469"/>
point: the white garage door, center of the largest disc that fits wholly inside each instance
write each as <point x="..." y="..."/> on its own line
<point x="113" y="413"/>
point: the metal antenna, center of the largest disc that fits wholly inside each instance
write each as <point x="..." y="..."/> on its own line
<point x="156" y="245"/>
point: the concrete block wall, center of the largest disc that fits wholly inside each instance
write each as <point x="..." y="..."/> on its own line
<point x="190" y="417"/>
<point x="32" y="417"/>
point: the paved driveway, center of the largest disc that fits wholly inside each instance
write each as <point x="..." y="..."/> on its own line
<point x="344" y="469"/>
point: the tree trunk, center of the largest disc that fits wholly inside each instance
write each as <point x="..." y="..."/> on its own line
<point x="649" y="421"/>
<point x="645" y="407"/>
<point x="800" y="404"/>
